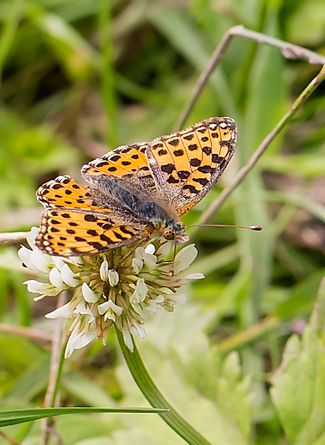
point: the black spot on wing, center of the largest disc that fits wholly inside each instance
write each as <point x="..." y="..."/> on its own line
<point x="195" y="162"/>
<point x="206" y="169"/>
<point x="183" y="174"/>
<point x="92" y="232"/>
<point x="90" y="217"/>
<point x="168" y="168"/>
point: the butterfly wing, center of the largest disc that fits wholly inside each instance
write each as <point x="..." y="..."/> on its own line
<point x="73" y="224"/>
<point x="63" y="191"/>
<point x="125" y="176"/>
<point x="67" y="232"/>
<point x="174" y="172"/>
<point x="127" y="165"/>
<point x="186" y="164"/>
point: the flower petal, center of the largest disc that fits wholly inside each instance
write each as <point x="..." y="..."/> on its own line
<point x="103" y="271"/>
<point x="41" y="260"/>
<point x="56" y="279"/>
<point x="137" y="265"/>
<point x="139" y="252"/>
<point x="58" y="262"/>
<point x="61" y="312"/>
<point x="138" y="330"/>
<point x="128" y="339"/>
<point x="31" y="237"/>
<point x="178" y="298"/>
<point x="194" y="276"/>
<point x="140" y="292"/>
<point x="153" y="304"/>
<point x="83" y="309"/>
<point x="69" y="277"/>
<point x="150" y="249"/>
<point x="26" y="258"/>
<point x="184" y="258"/>
<point x="77" y="260"/>
<point x="78" y="340"/>
<point x="149" y="261"/>
<point x="36" y="287"/>
<point x="113" y="277"/>
<point x="109" y="305"/>
<point x="89" y="295"/>
<point x="164" y="248"/>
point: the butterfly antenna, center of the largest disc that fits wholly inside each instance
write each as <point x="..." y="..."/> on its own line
<point x="233" y="226"/>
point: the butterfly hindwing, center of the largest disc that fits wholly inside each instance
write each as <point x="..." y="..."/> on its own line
<point x="67" y="232"/>
<point x="125" y="168"/>
<point x="64" y="191"/>
<point x="79" y="221"/>
<point x="127" y="164"/>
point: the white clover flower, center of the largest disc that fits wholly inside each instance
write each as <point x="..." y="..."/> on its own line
<point x="122" y="286"/>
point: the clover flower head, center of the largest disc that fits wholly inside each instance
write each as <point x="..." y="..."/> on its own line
<point x="122" y="286"/>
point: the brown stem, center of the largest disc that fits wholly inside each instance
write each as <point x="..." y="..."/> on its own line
<point x="50" y="396"/>
<point x="9" y="238"/>
<point x="31" y="333"/>
<point x="288" y="50"/>
<point x="243" y="172"/>
<point x="9" y="439"/>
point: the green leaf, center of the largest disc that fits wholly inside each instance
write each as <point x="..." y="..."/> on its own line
<point x="311" y="14"/>
<point x="13" y="417"/>
<point x="223" y="383"/>
<point x="194" y="378"/>
<point x="298" y="391"/>
<point x="299" y="300"/>
<point x="306" y="165"/>
<point x="178" y="27"/>
<point x="9" y="28"/>
<point x="233" y="394"/>
<point x="151" y="392"/>
<point x="77" y="57"/>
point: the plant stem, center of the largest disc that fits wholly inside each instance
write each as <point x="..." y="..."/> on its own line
<point x="249" y="335"/>
<point x="8" y="238"/>
<point x="56" y="367"/>
<point x="107" y="71"/>
<point x="155" y="398"/>
<point x="288" y="50"/>
<point x="243" y="172"/>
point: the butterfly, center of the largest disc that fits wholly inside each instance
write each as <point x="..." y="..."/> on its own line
<point x="135" y="191"/>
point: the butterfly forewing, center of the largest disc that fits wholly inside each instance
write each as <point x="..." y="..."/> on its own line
<point x="189" y="162"/>
<point x="125" y="162"/>
<point x="216" y="155"/>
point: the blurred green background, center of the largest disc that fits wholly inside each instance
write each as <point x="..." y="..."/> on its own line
<point x="80" y="77"/>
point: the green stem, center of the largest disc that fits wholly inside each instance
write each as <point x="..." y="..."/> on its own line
<point x="108" y="87"/>
<point x="249" y="335"/>
<point x="58" y="375"/>
<point x="155" y="398"/>
<point x="282" y="123"/>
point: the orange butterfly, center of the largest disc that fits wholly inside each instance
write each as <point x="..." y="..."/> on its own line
<point x="135" y="191"/>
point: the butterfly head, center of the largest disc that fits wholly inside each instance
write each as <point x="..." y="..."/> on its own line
<point x="175" y="231"/>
